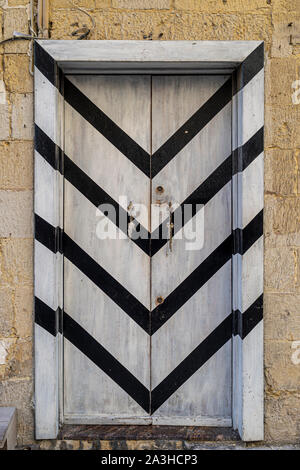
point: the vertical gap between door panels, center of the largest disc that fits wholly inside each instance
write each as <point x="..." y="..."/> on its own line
<point x="62" y="361"/>
<point x="150" y="230"/>
<point x="231" y="270"/>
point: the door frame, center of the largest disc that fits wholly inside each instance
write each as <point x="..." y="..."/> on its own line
<point x="245" y="61"/>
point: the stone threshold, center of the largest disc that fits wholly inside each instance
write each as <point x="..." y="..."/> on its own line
<point x="146" y="433"/>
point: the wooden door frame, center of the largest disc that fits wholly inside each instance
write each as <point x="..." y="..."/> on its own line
<point x="245" y="61"/>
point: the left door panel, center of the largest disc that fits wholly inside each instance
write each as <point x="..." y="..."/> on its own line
<point x="106" y="274"/>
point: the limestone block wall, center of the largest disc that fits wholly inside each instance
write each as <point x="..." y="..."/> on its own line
<point x="277" y="22"/>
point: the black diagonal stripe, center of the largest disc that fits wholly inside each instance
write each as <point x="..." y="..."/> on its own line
<point x="97" y="196"/>
<point x="80" y="180"/>
<point x="202" y="195"/>
<point x="238" y="161"/>
<point x="190" y="128"/>
<point x="45" y="146"/>
<point x="44" y="62"/>
<point x="244" y="239"/>
<point x="45" y="316"/>
<point x="110" y="286"/>
<point x="248" y="236"/>
<point x="45" y="233"/>
<point x="212" y="343"/>
<point x="253" y="231"/>
<point x="191" y="284"/>
<point x="106" y="362"/>
<point x="245" y="322"/>
<point x="246" y="154"/>
<point x="250" y="67"/>
<point x="100" y="121"/>
<point x="49" y="236"/>
<point x="252" y="316"/>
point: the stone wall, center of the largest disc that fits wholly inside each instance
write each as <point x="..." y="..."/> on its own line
<point x="277" y="22"/>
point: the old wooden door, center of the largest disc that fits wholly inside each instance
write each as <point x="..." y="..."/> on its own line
<point x="147" y="249"/>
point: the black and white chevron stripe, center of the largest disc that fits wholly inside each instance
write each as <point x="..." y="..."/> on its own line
<point x="52" y="241"/>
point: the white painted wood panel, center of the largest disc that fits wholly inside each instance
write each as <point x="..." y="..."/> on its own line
<point x="206" y="394"/>
<point x="106" y="321"/>
<point x="119" y="256"/>
<point x="190" y="325"/>
<point x="181" y="99"/>
<point x="205" y="397"/>
<point x="158" y="52"/>
<point x="46" y="363"/>
<point x="170" y="268"/>
<point x="130" y="96"/>
<point x="90" y="394"/>
<point x="45" y="202"/>
<point x="196" y="150"/>
<point x="250" y="111"/>
<point x="106" y="165"/>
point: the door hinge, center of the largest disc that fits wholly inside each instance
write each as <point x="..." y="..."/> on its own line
<point x="236" y="323"/>
<point x="59" y="320"/>
<point x="58" y="240"/>
<point x="238" y="241"/>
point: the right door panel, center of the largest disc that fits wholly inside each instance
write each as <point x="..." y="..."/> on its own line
<point x="191" y="253"/>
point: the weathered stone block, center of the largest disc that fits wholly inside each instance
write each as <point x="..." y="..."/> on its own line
<point x="281" y="172"/>
<point x="18" y="393"/>
<point x="6" y="311"/>
<point x="257" y="27"/>
<point x="223" y="6"/>
<point x="102" y="3"/>
<point x="280" y="232"/>
<point x="142" y="4"/>
<point x="16" y="208"/>
<point x="297" y="154"/>
<point x="15" y="19"/>
<point x="298" y="271"/>
<point x="23" y="305"/>
<point x="282" y="417"/>
<point x="16" y="73"/>
<point x="89" y="4"/>
<point x="22" y="116"/>
<point x="280" y="74"/>
<point x="16" y="165"/>
<point x="282" y="126"/>
<point x="280" y="371"/>
<point x="17" y="3"/>
<point x="16" y="261"/>
<point x="285" y="6"/>
<point x="281" y="317"/>
<point x="286" y="217"/>
<point x="5" y="117"/>
<point x="19" y="364"/>
<point x="284" y="25"/>
<point x="6" y="352"/>
<point x="279" y="270"/>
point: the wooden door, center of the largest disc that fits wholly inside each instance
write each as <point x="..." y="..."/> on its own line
<point x="191" y="272"/>
<point x="147" y="293"/>
<point x="107" y="280"/>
